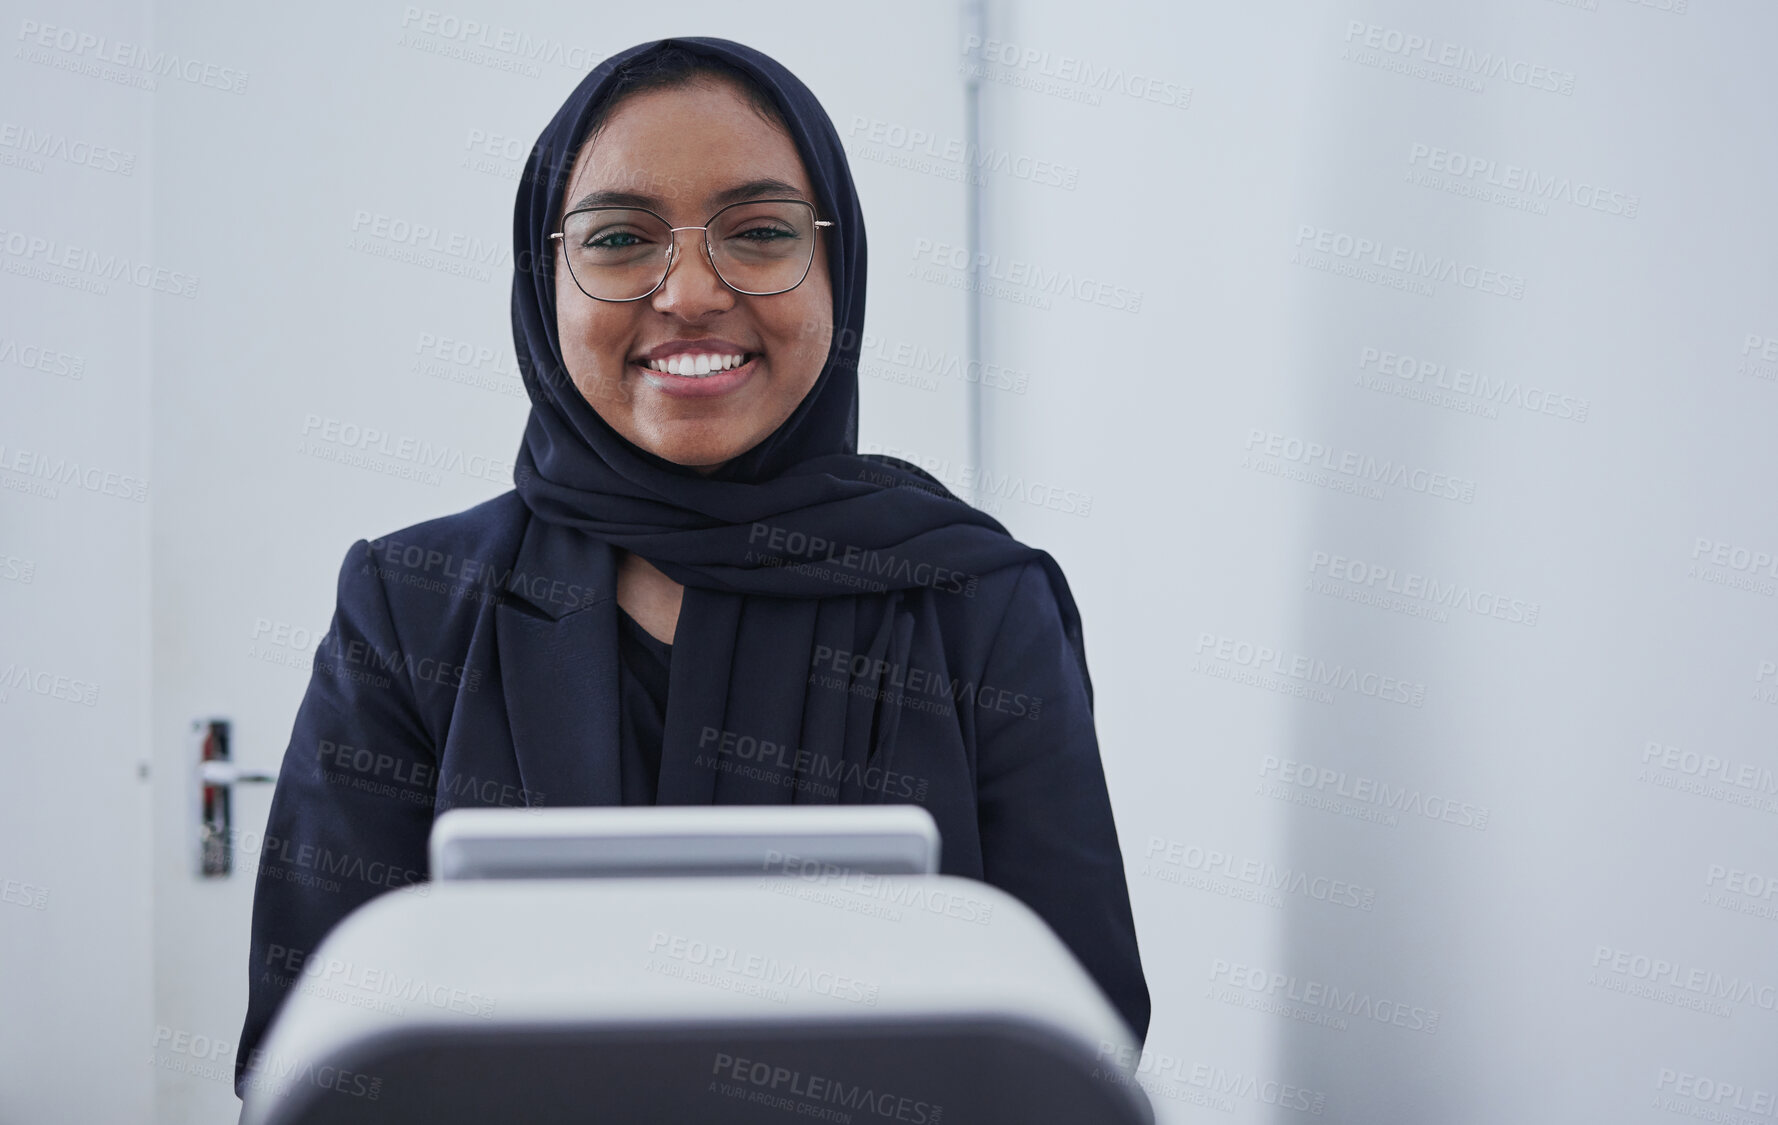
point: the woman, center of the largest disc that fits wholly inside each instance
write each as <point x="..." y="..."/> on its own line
<point x="697" y="593"/>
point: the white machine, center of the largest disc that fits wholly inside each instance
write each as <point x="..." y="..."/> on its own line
<point x="813" y="992"/>
<point x="647" y="841"/>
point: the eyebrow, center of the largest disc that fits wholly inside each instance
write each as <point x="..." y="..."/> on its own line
<point x="752" y="189"/>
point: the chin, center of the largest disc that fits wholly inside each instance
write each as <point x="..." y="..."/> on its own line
<point x="703" y="453"/>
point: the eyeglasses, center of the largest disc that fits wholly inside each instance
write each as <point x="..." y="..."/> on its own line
<point x="758" y="248"/>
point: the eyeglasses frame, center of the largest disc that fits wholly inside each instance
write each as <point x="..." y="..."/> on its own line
<point x="673" y="248"/>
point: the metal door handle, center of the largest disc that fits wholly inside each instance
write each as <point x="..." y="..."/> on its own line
<point x="228" y="773"/>
<point x="215" y="777"/>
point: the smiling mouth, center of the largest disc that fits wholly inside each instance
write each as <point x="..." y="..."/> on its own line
<point x="699" y="366"/>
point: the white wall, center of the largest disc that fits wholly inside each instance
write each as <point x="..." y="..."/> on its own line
<point x="1526" y="933"/>
<point x="77" y="487"/>
<point x="1122" y="438"/>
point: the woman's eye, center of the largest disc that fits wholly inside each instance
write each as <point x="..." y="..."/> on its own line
<point x="766" y="234"/>
<point x="613" y="240"/>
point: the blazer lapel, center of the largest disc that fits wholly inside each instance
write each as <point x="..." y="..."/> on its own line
<point x="557" y="639"/>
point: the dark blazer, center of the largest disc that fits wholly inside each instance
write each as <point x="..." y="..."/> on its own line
<point x="422" y="700"/>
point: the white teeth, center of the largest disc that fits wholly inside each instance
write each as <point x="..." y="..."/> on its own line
<point x="695" y="366"/>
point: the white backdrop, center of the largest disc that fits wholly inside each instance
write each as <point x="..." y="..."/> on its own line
<point x="1393" y="380"/>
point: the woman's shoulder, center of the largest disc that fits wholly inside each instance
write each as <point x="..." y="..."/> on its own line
<point x="1031" y="578"/>
<point x="998" y="602"/>
<point x="1017" y="640"/>
<point x="440" y="570"/>
<point x="488" y="531"/>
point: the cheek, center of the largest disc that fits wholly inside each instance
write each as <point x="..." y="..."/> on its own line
<point x="595" y="332"/>
<point x="808" y="331"/>
<point x="592" y="338"/>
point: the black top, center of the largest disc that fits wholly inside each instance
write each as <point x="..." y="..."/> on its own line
<point x="643" y="661"/>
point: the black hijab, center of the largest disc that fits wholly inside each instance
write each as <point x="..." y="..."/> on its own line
<point x="799" y="542"/>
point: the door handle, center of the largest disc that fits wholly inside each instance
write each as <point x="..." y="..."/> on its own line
<point x="216" y="776"/>
<point x="223" y="774"/>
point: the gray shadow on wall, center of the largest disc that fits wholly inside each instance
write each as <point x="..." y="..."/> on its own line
<point x="1376" y="943"/>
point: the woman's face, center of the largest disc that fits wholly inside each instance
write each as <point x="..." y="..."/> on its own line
<point x="677" y="152"/>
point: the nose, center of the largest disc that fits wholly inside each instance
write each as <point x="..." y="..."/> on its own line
<point x="692" y="291"/>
